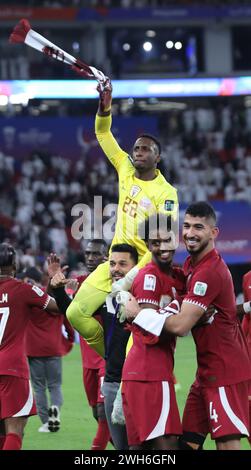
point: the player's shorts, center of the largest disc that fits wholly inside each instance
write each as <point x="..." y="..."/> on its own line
<point x="16" y="397"/>
<point x="150" y="410"/>
<point x="101" y="278"/>
<point x="93" y="381"/>
<point x="220" y="411"/>
<point x="249" y="404"/>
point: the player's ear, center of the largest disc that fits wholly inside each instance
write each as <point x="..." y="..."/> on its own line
<point x="215" y="232"/>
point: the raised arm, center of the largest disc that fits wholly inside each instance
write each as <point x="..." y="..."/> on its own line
<point x="103" y="124"/>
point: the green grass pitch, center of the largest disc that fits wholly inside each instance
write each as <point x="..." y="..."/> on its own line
<point x="77" y="424"/>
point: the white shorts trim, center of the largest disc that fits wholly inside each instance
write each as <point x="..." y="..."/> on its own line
<point x="160" y="427"/>
<point x="27" y="406"/>
<point x="232" y="416"/>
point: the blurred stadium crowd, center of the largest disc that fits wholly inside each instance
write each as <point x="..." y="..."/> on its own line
<point x="206" y="155"/>
<point x="119" y="3"/>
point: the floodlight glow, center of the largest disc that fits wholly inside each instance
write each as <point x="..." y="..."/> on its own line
<point x="19" y="98"/>
<point x="3" y="100"/>
<point x="147" y="46"/>
<point x="178" y="45"/>
<point x="126" y="46"/>
<point x="169" y="44"/>
<point x="151" y="33"/>
<point x="75" y="46"/>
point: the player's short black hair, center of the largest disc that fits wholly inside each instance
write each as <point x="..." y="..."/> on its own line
<point x="32" y="273"/>
<point x="7" y="255"/>
<point x="154" y="222"/>
<point x="126" y="248"/>
<point x="153" y="138"/>
<point x="201" y="209"/>
<point x="100" y="241"/>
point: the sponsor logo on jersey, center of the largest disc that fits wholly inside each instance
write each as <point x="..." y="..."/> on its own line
<point x="200" y="288"/>
<point x="135" y="190"/>
<point x="38" y="291"/>
<point x="216" y="429"/>
<point x="145" y="202"/>
<point x="149" y="282"/>
<point x="169" y="205"/>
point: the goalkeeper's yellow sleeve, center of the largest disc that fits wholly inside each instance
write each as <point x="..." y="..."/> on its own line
<point x="79" y="313"/>
<point x="108" y="143"/>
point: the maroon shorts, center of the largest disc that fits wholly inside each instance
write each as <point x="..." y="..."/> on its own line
<point x="150" y="410"/>
<point x="93" y="381"/>
<point x="220" y="411"/>
<point x="249" y="403"/>
<point x="16" y="397"/>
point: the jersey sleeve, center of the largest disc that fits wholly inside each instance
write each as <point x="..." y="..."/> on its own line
<point x="35" y="296"/>
<point x="167" y="202"/>
<point x="204" y="288"/>
<point x="109" y="145"/>
<point x="147" y="288"/>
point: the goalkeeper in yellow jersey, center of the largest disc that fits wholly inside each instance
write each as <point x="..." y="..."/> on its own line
<point x="143" y="190"/>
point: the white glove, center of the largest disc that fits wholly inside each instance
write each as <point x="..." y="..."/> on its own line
<point x="126" y="282"/>
<point x="117" y="415"/>
<point x="121" y="299"/>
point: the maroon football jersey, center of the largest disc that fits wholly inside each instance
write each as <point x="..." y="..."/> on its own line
<point x="16" y="302"/>
<point x="44" y="335"/>
<point x="146" y="362"/>
<point x="246" y="322"/>
<point x="221" y="347"/>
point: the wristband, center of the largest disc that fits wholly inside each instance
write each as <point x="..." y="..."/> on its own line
<point x="62" y="299"/>
<point x="247" y="307"/>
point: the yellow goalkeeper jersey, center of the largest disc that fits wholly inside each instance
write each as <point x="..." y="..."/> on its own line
<point x="137" y="200"/>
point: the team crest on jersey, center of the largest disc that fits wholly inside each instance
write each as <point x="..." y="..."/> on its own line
<point x="169" y="205"/>
<point x="149" y="282"/>
<point x="135" y="190"/>
<point x="38" y="291"/>
<point x="200" y="288"/>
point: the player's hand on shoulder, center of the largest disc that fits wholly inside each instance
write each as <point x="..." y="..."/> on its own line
<point x="208" y="316"/>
